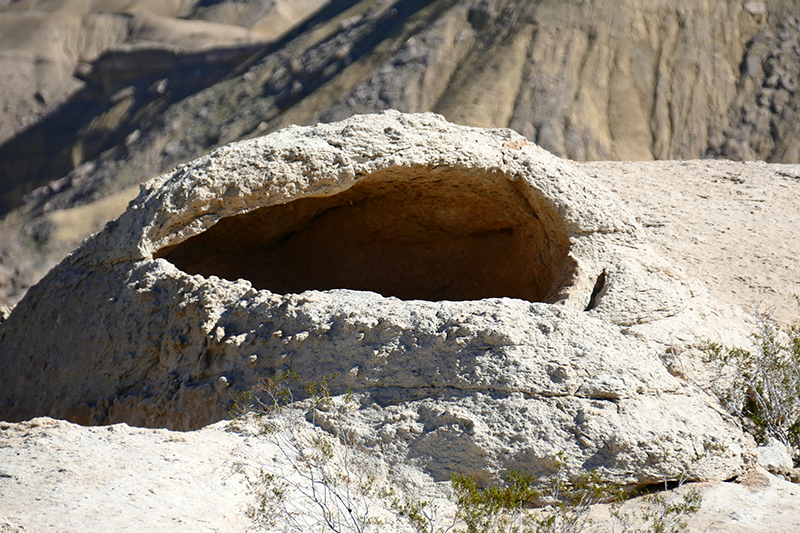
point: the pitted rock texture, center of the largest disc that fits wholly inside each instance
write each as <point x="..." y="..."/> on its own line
<point x="144" y="478"/>
<point x="487" y="303"/>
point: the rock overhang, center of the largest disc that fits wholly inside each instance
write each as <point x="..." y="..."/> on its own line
<point x="390" y="205"/>
<point x="411" y="232"/>
<point x="172" y="311"/>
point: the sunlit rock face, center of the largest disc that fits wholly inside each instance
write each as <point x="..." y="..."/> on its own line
<point x="487" y="304"/>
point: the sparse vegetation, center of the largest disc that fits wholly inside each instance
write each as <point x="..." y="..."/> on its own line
<point x="315" y="484"/>
<point x="568" y="504"/>
<point x="508" y="509"/>
<point x="322" y="480"/>
<point x="762" y="385"/>
<point x="661" y="512"/>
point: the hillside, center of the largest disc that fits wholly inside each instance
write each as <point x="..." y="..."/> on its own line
<point x="106" y="94"/>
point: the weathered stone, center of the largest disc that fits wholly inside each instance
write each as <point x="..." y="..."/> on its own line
<point x="118" y="478"/>
<point x="779" y="100"/>
<point x="755" y="8"/>
<point x="775" y="457"/>
<point x="752" y="67"/>
<point x="468" y="287"/>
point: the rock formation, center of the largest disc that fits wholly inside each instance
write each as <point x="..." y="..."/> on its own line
<point x="486" y="302"/>
<point x="128" y="477"/>
<point x="650" y="79"/>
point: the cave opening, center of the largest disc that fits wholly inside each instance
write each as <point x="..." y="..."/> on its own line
<point x="412" y="233"/>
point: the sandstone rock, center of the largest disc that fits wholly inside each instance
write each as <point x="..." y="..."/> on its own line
<point x="118" y="478"/>
<point x="488" y="305"/>
<point x="755" y="7"/>
<point x="721" y="223"/>
<point x="128" y="478"/>
<point x="775" y="457"/>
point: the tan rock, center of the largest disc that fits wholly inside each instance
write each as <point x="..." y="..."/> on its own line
<point x="64" y="478"/>
<point x="775" y="457"/>
<point x="458" y="273"/>
<point x="49" y="49"/>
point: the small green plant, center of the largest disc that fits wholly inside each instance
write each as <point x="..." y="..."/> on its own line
<point x="568" y="505"/>
<point x="660" y="512"/>
<point x="321" y="480"/>
<point x="494" y="509"/>
<point x="573" y="499"/>
<point x="509" y="509"/>
<point x="315" y="483"/>
<point x="762" y="385"/>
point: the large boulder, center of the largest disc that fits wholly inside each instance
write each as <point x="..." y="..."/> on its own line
<point x="486" y="302"/>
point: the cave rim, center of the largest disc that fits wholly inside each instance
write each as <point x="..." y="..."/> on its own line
<point x="559" y="267"/>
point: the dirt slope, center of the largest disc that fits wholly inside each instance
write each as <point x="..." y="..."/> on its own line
<point x="47" y="49"/>
<point x="42" y="42"/>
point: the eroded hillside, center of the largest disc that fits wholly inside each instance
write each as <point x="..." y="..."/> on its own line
<point x="587" y="80"/>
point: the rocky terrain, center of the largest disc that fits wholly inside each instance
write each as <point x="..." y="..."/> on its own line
<point x="727" y="224"/>
<point x="51" y="480"/>
<point x="165" y="317"/>
<point x="588" y="80"/>
<point x="583" y="294"/>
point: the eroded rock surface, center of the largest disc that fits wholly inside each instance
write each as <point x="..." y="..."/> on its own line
<point x="145" y="478"/>
<point x="488" y="304"/>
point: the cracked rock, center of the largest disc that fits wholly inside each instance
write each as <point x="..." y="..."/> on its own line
<point x="487" y="303"/>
